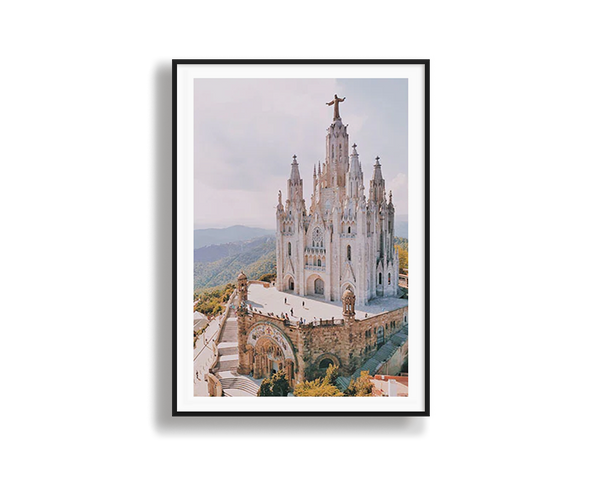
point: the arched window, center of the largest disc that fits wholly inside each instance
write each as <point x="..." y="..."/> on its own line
<point x="349" y="253"/>
<point x="325" y="363"/>
<point x="332" y="152"/>
<point x="380" y="336"/>
<point x="318" y="263"/>
<point x="289" y="249"/>
<point x="317" y="239"/>
<point x="389" y="278"/>
<point x="380" y="279"/>
<point x="349" y="230"/>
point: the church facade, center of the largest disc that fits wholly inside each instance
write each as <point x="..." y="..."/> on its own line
<point x="345" y="239"/>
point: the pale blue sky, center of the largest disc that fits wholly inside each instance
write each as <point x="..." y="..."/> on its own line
<point x="246" y="131"/>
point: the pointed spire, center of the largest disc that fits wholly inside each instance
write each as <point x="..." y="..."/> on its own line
<point x="377" y="171"/>
<point x="315" y="171"/>
<point x="295" y="176"/>
<point x="377" y="190"/>
<point x="319" y="167"/>
<point x="390" y="196"/>
<point x="354" y="164"/>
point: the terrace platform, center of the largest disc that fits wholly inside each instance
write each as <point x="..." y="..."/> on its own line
<point x="270" y="300"/>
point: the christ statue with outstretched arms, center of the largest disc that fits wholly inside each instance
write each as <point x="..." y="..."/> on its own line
<point x="336" y="106"/>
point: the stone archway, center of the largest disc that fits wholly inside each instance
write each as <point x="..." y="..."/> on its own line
<point x="315" y="285"/>
<point x="289" y="283"/>
<point x="322" y="363"/>
<point x="319" y="287"/>
<point x="268" y="358"/>
<point x="271" y="351"/>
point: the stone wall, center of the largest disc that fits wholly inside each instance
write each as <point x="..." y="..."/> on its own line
<point x="347" y="342"/>
<point x="352" y="342"/>
<point x="215" y="389"/>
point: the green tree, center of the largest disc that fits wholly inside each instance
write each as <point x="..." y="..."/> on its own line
<point x="361" y="386"/>
<point x="320" y="387"/>
<point x="317" y="388"/>
<point x="268" y="277"/>
<point x="276" y="385"/>
<point x="332" y="374"/>
<point x="402" y="257"/>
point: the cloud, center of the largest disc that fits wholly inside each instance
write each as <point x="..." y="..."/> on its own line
<point x="246" y="131"/>
<point x="253" y="209"/>
<point x="399" y="187"/>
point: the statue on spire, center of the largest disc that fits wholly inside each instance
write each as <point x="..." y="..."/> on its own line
<point x="336" y="106"/>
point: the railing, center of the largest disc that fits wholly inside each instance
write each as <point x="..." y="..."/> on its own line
<point x="314" y="250"/>
<point x="322" y="323"/>
<point x="314" y="267"/>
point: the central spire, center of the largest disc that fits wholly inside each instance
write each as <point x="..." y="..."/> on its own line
<point x="336" y="153"/>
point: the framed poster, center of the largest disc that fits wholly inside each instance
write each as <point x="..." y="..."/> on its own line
<point x="295" y="186"/>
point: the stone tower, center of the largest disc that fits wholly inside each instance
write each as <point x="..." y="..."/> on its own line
<point x="242" y="284"/>
<point x="348" y="299"/>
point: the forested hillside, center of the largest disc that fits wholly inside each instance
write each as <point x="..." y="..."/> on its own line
<point x="254" y="258"/>
<point x="212" y="253"/>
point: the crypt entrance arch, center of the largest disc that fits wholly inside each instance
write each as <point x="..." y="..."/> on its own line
<point x="272" y="351"/>
<point x="315" y="285"/>
<point x="289" y="283"/>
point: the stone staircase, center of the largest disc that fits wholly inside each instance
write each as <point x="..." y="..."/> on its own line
<point x="234" y="385"/>
<point x="229" y="332"/>
<point x="239" y="383"/>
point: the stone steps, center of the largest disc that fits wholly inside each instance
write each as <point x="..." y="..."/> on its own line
<point x="227" y="365"/>
<point x="239" y="383"/>
<point x="229" y="333"/>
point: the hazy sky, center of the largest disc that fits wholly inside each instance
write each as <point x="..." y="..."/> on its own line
<point x="246" y="131"/>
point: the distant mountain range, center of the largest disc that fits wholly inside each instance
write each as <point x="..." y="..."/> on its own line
<point x="220" y="264"/>
<point x="221" y="253"/>
<point x="400" y="228"/>
<point x="212" y="253"/>
<point x="218" y="236"/>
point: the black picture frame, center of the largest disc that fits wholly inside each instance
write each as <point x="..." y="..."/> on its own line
<point x="426" y="109"/>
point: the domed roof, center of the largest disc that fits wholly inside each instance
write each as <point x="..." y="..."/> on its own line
<point x="348" y="293"/>
<point x="242" y="276"/>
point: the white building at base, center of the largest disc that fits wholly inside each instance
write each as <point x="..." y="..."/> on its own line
<point x="344" y="239"/>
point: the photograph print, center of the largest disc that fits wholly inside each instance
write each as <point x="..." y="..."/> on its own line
<point x="300" y="244"/>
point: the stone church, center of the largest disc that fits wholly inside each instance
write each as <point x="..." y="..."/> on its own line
<point x="345" y="240"/>
<point x="340" y="249"/>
